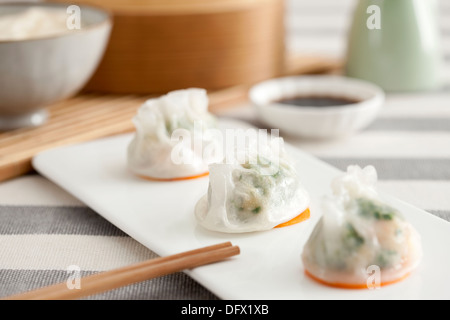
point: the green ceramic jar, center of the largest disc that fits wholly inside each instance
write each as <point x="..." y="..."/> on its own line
<point x="396" y="44"/>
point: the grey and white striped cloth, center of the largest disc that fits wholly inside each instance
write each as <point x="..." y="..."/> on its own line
<point x="43" y="230"/>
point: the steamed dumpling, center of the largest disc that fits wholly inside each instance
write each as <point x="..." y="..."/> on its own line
<point x="357" y="231"/>
<point x="258" y="192"/>
<point x="156" y="149"/>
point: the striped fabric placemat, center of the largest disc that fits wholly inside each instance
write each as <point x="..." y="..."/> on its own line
<point x="43" y="230"/>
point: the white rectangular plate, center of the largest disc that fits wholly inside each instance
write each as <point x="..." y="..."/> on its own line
<point x="160" y="216"/>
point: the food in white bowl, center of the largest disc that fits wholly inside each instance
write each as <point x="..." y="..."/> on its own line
<point x="360" y="241"/>
<point x="255" y="189"/>
<point x="317" y="107"/>
<point x="33" y="23"/>
<point x="172" y="135"/>
<point x="44" y="61"/>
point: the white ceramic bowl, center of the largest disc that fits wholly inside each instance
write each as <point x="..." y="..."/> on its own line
<point x="317" y="122"/>
<point x="37" y="72"/>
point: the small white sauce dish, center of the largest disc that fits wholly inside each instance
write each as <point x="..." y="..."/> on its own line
<point x="314" y="122"/>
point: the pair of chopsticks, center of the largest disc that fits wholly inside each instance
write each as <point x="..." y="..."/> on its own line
<point x="139" y="272"/>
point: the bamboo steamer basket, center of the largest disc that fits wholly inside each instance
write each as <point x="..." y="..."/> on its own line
<point x="162" y="45"/>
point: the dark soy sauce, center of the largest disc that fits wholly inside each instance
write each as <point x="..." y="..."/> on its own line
<point x="318" y="101"/>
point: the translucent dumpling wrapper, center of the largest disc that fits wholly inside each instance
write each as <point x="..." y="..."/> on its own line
<point x="257" y="189"/>
<point x="360" y="235"/>
<point x="169" y="131"/>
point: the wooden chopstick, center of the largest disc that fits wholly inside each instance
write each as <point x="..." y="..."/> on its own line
<point x="146" y="270"/>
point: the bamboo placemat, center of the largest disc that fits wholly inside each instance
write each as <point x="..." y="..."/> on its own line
<point x="91" y="116"/>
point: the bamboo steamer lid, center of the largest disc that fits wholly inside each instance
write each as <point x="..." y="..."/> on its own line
<point x="162" y="45"/>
